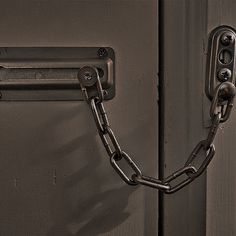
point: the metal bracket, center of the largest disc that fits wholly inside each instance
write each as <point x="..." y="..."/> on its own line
<point x="221" y="58"/>
<point x="52" y="73"/>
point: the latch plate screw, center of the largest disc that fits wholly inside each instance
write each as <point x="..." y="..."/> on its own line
<point x="102" y="52"/>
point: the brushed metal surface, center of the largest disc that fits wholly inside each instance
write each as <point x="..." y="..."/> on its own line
<point x="55" y="178"/>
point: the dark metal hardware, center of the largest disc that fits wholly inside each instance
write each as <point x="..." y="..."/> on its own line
<point x="224" y="75"/>
<point x="120" y="172"/>
<point x="224" y="94"/>
<point x="222" y="103"/>
<point x="220" y="88"/>
<point x="150" y="182"/>
<point x="221" y="60"/>
<point x="186" y="170"/>
<point x="52" y="73"/>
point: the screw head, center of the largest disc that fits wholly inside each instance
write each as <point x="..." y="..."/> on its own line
<point x="227" y="38"/>
<point x="224" y="74"/>
<point x="88" y="75"/>
<point x="102" y="52"/>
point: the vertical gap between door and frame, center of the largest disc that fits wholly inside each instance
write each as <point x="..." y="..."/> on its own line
<point x="160" y="114"/>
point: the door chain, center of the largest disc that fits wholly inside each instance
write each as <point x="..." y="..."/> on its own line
<point x="221" y="107"/>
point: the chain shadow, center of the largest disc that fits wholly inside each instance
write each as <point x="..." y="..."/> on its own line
<point x="85" y="207"/>
<point x="89" y="199"/>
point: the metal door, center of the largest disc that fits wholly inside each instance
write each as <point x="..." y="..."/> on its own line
<point x="55" y="176"/>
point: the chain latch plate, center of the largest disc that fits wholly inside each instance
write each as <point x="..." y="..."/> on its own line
<point x="51" y="73"/>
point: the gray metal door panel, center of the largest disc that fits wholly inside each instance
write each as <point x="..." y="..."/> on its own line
<point x="55" y="176"/>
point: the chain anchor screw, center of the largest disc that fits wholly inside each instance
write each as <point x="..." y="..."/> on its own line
<point x="88" y="75"/>
<point x="224" y="75"/>
<point x="227" y="39"/>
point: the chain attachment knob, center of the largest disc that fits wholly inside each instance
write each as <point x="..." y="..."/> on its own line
<point x="88" y="76"/>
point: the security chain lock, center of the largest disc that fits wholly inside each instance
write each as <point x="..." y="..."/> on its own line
<point x="220" y="89"/>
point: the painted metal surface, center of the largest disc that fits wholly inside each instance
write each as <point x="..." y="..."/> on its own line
<point x="221" y="177"/>
<point x="207" y="207"/>
<point x="184" y="39"/>
<point x="55" y="178"/>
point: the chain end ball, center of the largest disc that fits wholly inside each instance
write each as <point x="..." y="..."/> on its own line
<point x="227" y="91"/>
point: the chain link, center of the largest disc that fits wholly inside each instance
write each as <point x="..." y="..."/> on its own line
<point x="221" y="107"/>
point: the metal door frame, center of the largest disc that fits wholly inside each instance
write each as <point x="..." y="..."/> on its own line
<point x="183" y="40"/>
